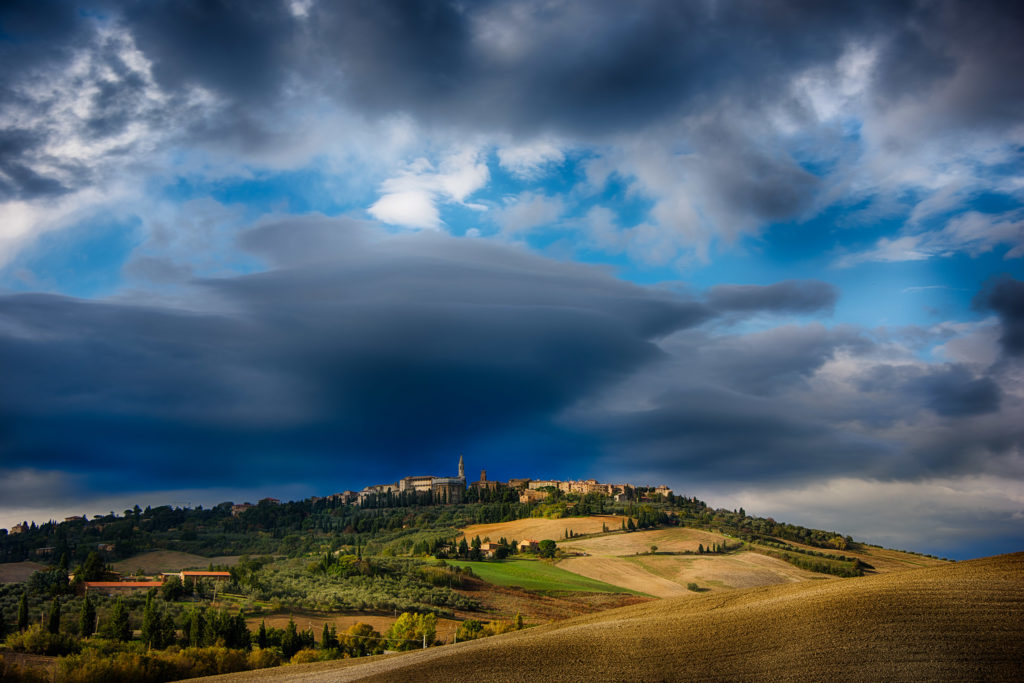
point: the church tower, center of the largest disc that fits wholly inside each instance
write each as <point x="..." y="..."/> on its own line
<point x="462" y="467"/>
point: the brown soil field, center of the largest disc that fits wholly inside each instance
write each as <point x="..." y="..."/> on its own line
<point x="170" y="561"/>
<point x="667" y="575"/>
<point x="962" y="621"/>
<point x="502" y="602"/>
<point x="539" y="528"/>
<point x="445" y="627"/>
<point x="16" y="572"/>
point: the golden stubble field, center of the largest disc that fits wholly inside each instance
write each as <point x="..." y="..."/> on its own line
<point x="962" y="621"/>
<point x="625" y="560"/>
<point x="539" y="528"/>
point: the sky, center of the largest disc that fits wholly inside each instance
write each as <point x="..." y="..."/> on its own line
<point x="768" y="253"/>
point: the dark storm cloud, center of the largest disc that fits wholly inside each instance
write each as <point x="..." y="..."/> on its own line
<point x="582" y="69"/>
<point x="776" y="360"/>
<point x="593" y="67"/>
<point x="408" y="347"/>
<point x="1005" y="296"/>
<point x="949" y="390"/>
<point x="713" y="435"/>
<point x="240" y="49"/>
<point x="953" y="391"/>
<point x="788" y="296"/>
<point x="980" y="40"/>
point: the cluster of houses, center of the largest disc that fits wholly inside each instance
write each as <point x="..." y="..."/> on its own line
<point x="129" y="585"/>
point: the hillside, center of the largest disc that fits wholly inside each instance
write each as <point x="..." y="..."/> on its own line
<point x="170" y="561"/>
<point x="953" y="622"/>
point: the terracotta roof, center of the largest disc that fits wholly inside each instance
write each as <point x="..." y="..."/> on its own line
<point x="206" y="573"/>
<point x="123" y="584"/>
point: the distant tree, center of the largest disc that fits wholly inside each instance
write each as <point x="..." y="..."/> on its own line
<point x="290" y="642"/>
<point x="53" y="623"/>
<point x="518" y="621"/>
<point x="654" y="549"/>
<point x="195" y="628"/>
<point x="546" y="548"/>
<point x="116" y="626"/>
<point x="360" y="640"/>
<point x="172" y="589"/>
<point x="151" y="623"/>
<point x="700" y="548"/>
<point x="93" y="568"/>
<point x="87" y="618"/>
<point x="23" y="612"/>
<point x="329" y="638"/>
<point x="261" y="635"/>
<point x="630" y="525"/>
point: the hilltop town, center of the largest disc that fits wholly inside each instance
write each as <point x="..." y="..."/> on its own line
<point x="452" y="490"/>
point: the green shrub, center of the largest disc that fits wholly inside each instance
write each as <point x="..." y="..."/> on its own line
<point x="305" y="657"/>
<point x="37" y="640"/>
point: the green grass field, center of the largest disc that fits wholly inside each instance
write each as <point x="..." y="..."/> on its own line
<point x="539" y="576"/>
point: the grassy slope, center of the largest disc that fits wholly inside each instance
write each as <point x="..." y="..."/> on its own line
<point x="962" y="621"/>
<point x="537" y="576"/>
<point x="14" y="572"/>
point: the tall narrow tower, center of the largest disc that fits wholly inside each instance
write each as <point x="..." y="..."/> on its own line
<point x="462" y="467"/>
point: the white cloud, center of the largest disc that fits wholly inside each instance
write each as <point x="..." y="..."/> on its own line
<point x="934" y="516"/>
<point x="530" y="160"/>
<point x="410" y="208"/>
<point x="528" y="211"/>
<point x="972" y="233"/>
<point x="410" y="199"/>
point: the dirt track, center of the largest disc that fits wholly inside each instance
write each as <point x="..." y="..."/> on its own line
<point x="962" y="621"/>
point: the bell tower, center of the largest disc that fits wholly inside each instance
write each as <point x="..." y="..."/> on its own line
<point x="462" y="467"/>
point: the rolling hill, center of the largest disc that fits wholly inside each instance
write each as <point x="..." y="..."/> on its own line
<point x="962" y="621"/>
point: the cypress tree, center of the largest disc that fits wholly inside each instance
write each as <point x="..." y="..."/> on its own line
<point x="53" y="623"/>
<point x="87" y="618"/>
<point x="23" y="612"/>
<point x="261" y="635"/>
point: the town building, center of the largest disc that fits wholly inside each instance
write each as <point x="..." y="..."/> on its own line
<point x="240" y="508"/>
<point x="484" y="484"/>
<point x="532" y="495"/>
<point x="445" y="489"/>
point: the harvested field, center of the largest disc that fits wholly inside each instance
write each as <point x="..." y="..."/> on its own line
<point x="539" y="528"/>
<point x="502" y="602"/>
<point x="16" y="572"/>
<point x="882" y="559"/>
<point x="667" y="575"/>
<point x="671" y="540"/>
<point x="962" y="621"/>
<point x="380" y="622"/>
<point x="170" y="561"/>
